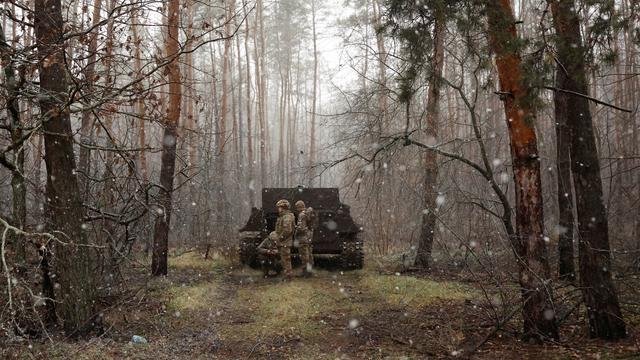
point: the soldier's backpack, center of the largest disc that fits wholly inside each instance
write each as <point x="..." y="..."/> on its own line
<point x="313" y="218"/>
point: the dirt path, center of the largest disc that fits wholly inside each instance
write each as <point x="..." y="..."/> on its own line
<point x="358" y="314"/>
<point x="211" y="310"/>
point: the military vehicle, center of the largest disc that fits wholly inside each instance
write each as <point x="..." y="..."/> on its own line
<point x="337" y="235"/>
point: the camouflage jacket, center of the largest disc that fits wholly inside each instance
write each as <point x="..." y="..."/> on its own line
<point x="285" y="227"/>
<point x="303" y="228"/>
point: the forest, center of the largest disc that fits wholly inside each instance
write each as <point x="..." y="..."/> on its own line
<point x="319" y="179"/>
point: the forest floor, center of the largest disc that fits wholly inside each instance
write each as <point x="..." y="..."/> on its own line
<point x="210" y="309"/>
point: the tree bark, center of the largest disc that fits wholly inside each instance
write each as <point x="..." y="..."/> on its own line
<point x="73" y="260"/>
<point x="528" y="244"/>
<point x="223" y="136"/>
<point x="190" y="125"/>
<point x="140" y="103"/>
<point x="224" y="107"/>
<point x="87" y="116"/>
<point x="235" y="132"/>
<point x="251" y="174"/>
<point x="566" y="264"/>
<point x="239" y="121"/>
<point x="48" y="290"/>
<point x="430" y="182"/>
<point x="261" y="78"/>
<point x="312" y="140"/>
<point x="170" y="138"/>
<point x="259" y="118"/>
<point x="382" y="73"/>
<point x="296" y="141"/>
<point x="107" y="193"/>
<point x="603" y="308"/>
<point x="281" y="129"/>
<point x="19" y="191"/>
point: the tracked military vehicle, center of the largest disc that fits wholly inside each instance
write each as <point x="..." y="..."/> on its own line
<point x="337" y="235"/>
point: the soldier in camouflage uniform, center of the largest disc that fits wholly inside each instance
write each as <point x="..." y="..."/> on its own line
<point x="268" y="255"/>
<point x="304" y="237"/>
<point x="284" y="229"/>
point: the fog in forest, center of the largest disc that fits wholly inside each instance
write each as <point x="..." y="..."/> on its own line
<point x="316" y="179"/>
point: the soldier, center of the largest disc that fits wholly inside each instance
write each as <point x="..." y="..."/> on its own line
<point x="284" y="229"/>
<point x="268" y="254"/>
<point x="304" y="237"/>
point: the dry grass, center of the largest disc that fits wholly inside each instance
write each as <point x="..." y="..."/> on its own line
<point x="414" y="292"/>
<point x="207" y="309"/>
<point x="194" y="260"/>
<point x="280" y="308"/>
<point x="195" y="297"/>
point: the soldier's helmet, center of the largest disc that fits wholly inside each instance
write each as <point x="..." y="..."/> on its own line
<point x="273" y="236"/>
<point x="283" y="204"/>
<point x="300" y="204"/>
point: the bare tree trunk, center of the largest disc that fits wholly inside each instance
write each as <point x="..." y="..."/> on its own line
<point x="430" y="182"/>
<point x="141" y="111"/>
<point x="250" y="157"/>
<point x="19" y="191"/>
<point x="379" y="184"/>
<point x="217" y="187"/>
<point x="365" y="40"/>
<point x="634" y="97"/>
<point x="38" y="189"/>
<point x="566" y="264"/>
<point x="87" y="116"/>
<point x="224" y="111"/>
<point x="235" y="132"/>
<point x="169" y="140"/>
<point x="291" y="138"/>
<point x="190" y="96"/>
<point x="73" y="260"/>
<point x="529" y="245"/>
<point x="294" y="116"/>
<point x="48" y="291"/>
<point x="140" y="103"/>
<point x="214" y="94"/>
<point x="312" y="140"/>
<point x="258" y="44"/>
<point x="603" y="308"/>
<point x="107" y="193"/>
<point x="382" y="63"/>
<point x="281" y="132"/>
<point x="224" y="107"/>
<point x="240" y="135"/>
<point x="264" y="125"/>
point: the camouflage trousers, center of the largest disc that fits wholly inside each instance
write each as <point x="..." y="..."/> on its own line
<point x="306" y="255"/>
<point x="285" y="260"/>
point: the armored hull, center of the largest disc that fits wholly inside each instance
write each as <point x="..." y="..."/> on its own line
<point x="337" y="234"/>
